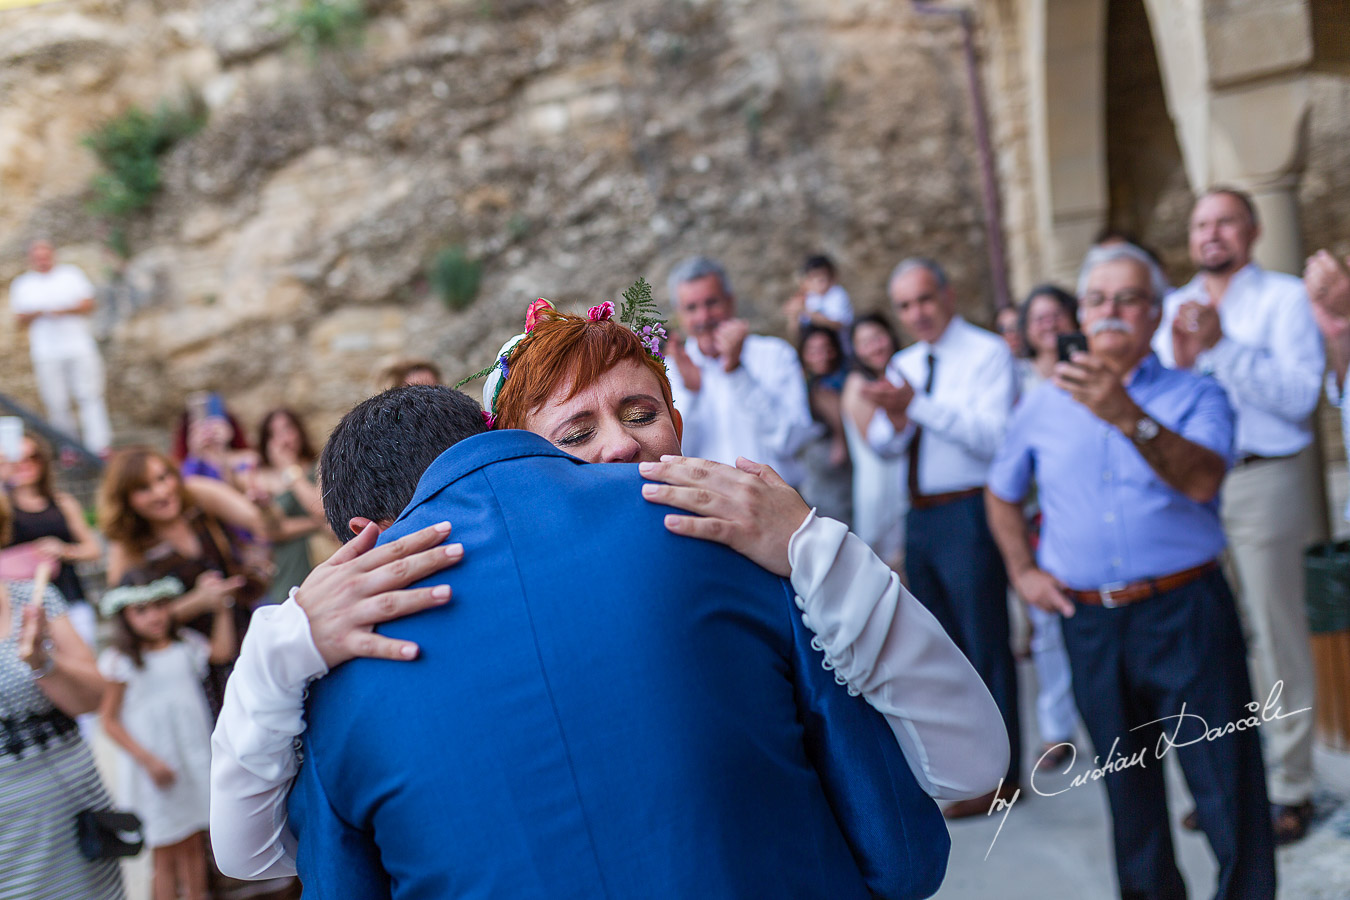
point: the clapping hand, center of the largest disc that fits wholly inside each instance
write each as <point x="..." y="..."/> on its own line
<point x="689" y="372"/>
<point x="729" y="338"/>
<point x="1195" y="328"/>
<point x="894" y="399"/>
<point x="749" y="508"/>
<point x="1328" y="284"/>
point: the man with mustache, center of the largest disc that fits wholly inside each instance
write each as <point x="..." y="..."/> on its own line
<point x="1254" y="331"/>
<point x="943" y="405"/>
<point x="740" y="394"/>
<point x="1127" y="457"/>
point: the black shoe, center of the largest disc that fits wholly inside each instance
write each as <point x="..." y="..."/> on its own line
<point x="1290" y="822"/>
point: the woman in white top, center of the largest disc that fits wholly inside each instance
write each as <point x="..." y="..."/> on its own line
<point x="1046" y="313"/>
<point x="879" y="500"/>
<point x="877" y="638"/>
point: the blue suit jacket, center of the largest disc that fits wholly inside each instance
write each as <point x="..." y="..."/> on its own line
<point x="602" y="710"/>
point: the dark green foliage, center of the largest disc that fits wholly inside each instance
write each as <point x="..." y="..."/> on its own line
<point x="455" y="277"/>
<point x="326" y="24"/>
<point x="129" y="147"/>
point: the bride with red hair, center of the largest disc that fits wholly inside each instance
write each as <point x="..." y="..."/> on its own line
<point x="598" y="390"/>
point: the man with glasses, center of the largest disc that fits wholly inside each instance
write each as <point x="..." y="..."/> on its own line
<point x="1127" y="458"/>
<point x="1254" y="331"/>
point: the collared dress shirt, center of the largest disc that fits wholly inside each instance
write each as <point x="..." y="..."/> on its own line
<point x="758" y="411"/>
<point x="1108" y="516"/>
<point x="963" y="415"/>
<point x="1269" y="360"/>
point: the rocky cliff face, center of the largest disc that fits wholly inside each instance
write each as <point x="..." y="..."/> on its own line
<point x="570" y="145"/>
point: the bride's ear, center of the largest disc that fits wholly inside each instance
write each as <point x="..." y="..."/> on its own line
<point x="679" y="422"/>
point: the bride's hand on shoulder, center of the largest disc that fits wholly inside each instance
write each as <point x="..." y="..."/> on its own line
<point x="361" y="586"/>
<point x="749" y="508"/>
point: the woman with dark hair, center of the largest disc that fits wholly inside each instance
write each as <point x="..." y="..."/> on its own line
<point x="49" y="526"/>
<point x="47" y="774"/>
<point x="286" y="481"/>
<point x="828" y="485"/>
<point x="210" y="442"/>
<point x="1046" y="313"/>
<point x="158" y="521"/>
<point x="878" y="483"/>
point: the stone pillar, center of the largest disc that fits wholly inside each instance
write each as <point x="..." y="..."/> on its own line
<point x="1068" y="128"/>
<point x="1258" y="137"/>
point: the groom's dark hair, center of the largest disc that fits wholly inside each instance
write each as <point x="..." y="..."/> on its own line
<point x="372" y="461"/>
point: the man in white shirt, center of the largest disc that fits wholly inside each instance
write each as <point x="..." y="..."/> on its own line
<point x="54" y="303"/>
<point x="944" y="405"/>
<point x="740" y="394"/>
<point x="1254" y="331"/>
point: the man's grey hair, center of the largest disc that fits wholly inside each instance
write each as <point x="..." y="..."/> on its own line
<point x="1098" y="256"/>
<point x="694" y="268"/>
<point x="930" y="266"/>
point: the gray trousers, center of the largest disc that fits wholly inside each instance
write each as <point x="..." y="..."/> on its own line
<point x="1270" y="518"/>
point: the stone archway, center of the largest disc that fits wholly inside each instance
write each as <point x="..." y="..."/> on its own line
<point x="1066" y="53"/>
<point x="1239" y="117"/>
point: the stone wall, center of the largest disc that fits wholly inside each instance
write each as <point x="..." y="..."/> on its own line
<point x="570" y="146"/>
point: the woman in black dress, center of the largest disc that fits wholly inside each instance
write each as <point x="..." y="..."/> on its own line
<point x="49" y="526"/>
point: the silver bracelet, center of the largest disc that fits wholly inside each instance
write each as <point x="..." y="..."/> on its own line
<point x="48" y="647"/>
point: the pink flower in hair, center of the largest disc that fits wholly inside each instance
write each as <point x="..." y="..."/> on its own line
<point x="532" y="314"/>
<point x="602" y="312"/>
<point x="489" y="420"/>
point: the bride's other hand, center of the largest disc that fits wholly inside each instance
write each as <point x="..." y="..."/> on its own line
<point x="749" y="508"/>
<point x="358" y="587"/>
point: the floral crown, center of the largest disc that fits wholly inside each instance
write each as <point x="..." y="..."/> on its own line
<point x="637" y="311"/>
<point x="119" y="598"/>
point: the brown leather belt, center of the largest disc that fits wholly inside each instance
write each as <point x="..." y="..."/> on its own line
<point x="928" y="501"/>
<point x="1256" y="457"/>
<point x="1122" y="593"/>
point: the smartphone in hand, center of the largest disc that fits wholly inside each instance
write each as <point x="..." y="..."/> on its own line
<point x="1071" y="343"/>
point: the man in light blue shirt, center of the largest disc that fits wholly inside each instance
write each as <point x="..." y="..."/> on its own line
<point x="1128" y="457"/>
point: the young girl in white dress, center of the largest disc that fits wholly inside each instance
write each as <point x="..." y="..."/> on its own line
<point x="156" y="710"/>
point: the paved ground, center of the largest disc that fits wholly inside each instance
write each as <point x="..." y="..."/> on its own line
<point x="1060" y="847"/>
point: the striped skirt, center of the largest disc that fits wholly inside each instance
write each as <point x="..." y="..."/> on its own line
<point x="40" y="794"/>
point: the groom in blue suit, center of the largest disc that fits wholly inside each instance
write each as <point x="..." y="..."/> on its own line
<point x="604" y="710"/>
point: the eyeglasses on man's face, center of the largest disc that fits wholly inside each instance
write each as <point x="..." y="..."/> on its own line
<point x="1127" y="299"/>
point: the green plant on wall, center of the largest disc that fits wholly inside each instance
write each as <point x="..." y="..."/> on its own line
<point x="319" y="25"/>
<point x="455" y="277"/>
<point x="129" y="148"/>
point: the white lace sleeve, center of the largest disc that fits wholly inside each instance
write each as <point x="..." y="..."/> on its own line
<point x="253" y="749"/>
<point x="882" y="643"/>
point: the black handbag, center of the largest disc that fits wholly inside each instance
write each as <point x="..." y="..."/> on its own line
<point x="103" y="833"/>
<point x="108" y="834"/>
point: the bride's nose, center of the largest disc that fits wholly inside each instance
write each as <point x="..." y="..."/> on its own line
<point x="620" y="446"/>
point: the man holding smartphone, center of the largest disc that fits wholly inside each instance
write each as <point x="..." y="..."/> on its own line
<point x="1127" y="458"/>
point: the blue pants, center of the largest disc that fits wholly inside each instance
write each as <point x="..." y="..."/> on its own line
<point x="955" y="570"/>
<point x="1141" y="662"/>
